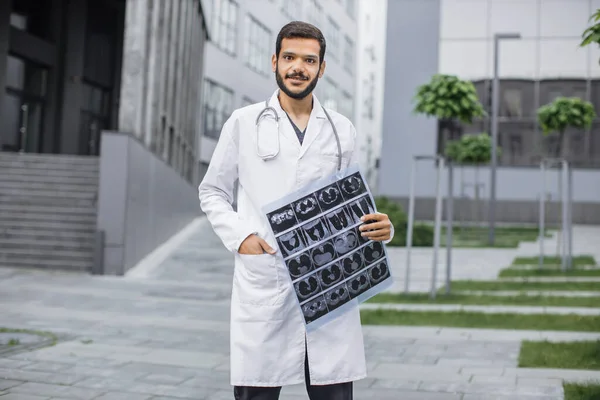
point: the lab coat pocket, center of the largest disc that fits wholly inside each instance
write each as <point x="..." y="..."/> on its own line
<point x="257" y="280"/>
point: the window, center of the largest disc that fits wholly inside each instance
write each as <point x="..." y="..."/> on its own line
<point x="314" y="14"/>
<point x="333" y="39"/>
<point x="246" y="101"/>
<point x="346" y="106"/>
<point x="351" y="8"/>
<point x="369" y="96"/>
<point x="292" y="9"/>
<point x="218" y="105"/>
<point x="330" y="98"/>
<point x="225" y="20"/>
<point x="257" y="48"/>
<point x="349" y="55"/>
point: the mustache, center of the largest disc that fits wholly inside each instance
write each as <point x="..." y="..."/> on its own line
<point x="299" y="76"/>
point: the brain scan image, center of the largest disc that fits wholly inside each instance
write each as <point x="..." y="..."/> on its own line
<point x="359" y="208"/>
<point x="323" y="254"/>
<point x="352" y="264"/>
<point x="372" y="252"/>
<point x="316" y="231"/>
<point x="345" y="242"/>
<point x="282" y="219"/>
<point x="307" y="208"/>
<point x="291" y="242"/>
<point x="299" y="266"/>
<point x="330" y="275"/>
<point x="352" y="186"/>
<point x="314" y="309"/>
<point x="330" y="197"/>
<point x="338" y="220"/>
<point x="359" y="284"/>
<point x="378" y="273"/>
<point x="307" y="287"/>
<point x="337" y="296"/>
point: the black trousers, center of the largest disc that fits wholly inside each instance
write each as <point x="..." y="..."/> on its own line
<point x="339" y="391"/>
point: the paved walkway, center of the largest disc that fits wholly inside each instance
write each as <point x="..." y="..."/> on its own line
<point x="484" y="309"/>
<point x="163" y="335"/>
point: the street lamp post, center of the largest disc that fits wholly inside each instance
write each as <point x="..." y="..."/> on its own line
<point x="494" y="128"/>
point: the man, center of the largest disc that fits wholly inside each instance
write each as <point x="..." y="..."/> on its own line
<point x="270" y="346"/>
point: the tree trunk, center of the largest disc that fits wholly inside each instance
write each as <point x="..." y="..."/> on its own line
<point x="559" y="144"/>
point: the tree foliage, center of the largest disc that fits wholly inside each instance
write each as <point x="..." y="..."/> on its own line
<point x="448" y="97"/>
<point x="565" y="112"/>
<point x="471" y="149"/>
<point x="592" y="33"/>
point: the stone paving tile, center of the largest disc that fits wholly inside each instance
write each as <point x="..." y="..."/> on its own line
<point x="21" y="396"/>
<point x="6" y="384"/>
<point x="57" y="390"/>
<point x="122" y="396"/>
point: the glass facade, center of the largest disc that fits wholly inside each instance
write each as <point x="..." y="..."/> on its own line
<point x="218" y="106"/>
<point x="547" y="62"/>
<point x="258" y="46"/>
<point x="225" y="19"/>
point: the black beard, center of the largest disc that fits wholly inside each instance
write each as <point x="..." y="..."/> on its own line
<point x="297" y="96"/>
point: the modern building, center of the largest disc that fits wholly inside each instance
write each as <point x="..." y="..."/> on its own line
<point x="372" y="21"/>
<point x="456" y="37"/>
<point x="99" y="126"/>
<point x="238" y="58"/>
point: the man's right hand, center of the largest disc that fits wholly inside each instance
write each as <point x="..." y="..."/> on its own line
<point x="255" y="245"/>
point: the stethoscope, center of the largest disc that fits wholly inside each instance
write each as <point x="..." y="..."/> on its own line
<point x="265" y="112"/>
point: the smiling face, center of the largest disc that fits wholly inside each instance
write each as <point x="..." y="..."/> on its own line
<point x="298" y="67"/>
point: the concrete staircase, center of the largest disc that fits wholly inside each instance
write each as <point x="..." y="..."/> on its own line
<point x="47" y="211"/>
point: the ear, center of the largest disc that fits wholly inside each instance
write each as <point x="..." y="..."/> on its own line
<point x="274" y="62"/>
<point x="322" y="69"/>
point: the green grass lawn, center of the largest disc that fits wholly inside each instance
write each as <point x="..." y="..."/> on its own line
<point x="500" y="285"/>
<point x="590" y="391"/>
<point x="569" y="355"/>
<point x="477" y="236"/>
<point x="551" y="267"/>
<point x="484" y="300"/>
<point x="463" y="319"/>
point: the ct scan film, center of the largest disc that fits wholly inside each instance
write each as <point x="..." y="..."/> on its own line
<point x="331" y="266"/>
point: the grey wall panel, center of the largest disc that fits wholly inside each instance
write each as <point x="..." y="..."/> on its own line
<point x="142" y="201"/>
<point x="112" y="195"/>
<point x="411" y="60"/>
<point x="5" y="7"/>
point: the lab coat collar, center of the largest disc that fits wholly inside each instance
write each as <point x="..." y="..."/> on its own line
<point x="315" y="122"/>
<point x="317" y="109"/>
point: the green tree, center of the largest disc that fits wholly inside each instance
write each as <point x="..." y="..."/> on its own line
<point x="471" y="149"/>
<point x="592" y="33"/>
<point x="562" y="113"/>
<point x="448" y="98"/>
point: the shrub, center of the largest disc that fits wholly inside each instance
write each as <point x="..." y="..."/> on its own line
<point x="422" y="233"/>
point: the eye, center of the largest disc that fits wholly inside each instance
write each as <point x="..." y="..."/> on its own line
<point x="310" y="61"/>
<point x="287" y="57"/>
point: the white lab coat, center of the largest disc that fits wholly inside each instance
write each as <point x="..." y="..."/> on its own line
<point x="267" y="335"/>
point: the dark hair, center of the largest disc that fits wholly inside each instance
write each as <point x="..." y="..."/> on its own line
<point x="299" y="29"/>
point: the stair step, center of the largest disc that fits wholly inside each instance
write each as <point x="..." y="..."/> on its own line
<point x="48" y="226"/>
<point x="41" y="262"/>
<point x="78" y="246"/>
<point x="29" y="173"/>
<point x="47" y="194"/>
<point x="43" y="209"/>
<point x="59" y="158"/>
<point x="46" y="253"/>
<point x="53" y="179"/>
<point x="90" y="187"/>
<point x="74" y="218"/>
<point x="59" y="161"/>
<point x="25" y="233"/>
<point x="55" y="201"/>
